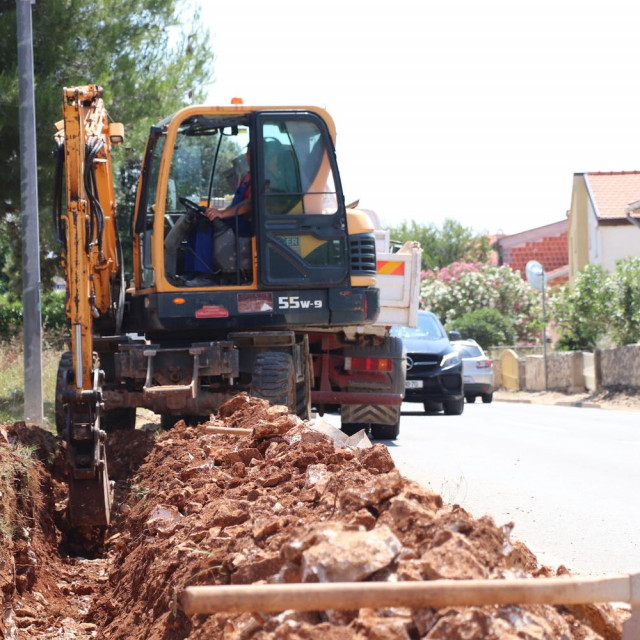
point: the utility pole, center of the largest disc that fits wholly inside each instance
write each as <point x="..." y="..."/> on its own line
<point x="33" y="401"/>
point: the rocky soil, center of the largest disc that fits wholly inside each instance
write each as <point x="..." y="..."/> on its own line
<point x="288" y="502"/>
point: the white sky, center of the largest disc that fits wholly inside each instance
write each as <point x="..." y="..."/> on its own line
<point x="476" y="110"/>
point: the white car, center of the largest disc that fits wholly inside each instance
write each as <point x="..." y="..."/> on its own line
<point x="477" y="371"/>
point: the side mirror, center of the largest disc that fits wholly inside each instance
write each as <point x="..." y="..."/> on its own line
<point x="455" y="335"/>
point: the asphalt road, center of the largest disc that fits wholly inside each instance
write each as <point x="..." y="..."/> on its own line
<point x="568" y="478"/>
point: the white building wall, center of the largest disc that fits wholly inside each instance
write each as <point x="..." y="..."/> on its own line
<point x="595" y="248"/>
<point x="616" y="243"/>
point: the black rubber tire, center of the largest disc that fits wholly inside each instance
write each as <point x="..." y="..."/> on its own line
<point x="453" y="407"/>
<point x="119" y="419"/>
<point x="470" y="399"/>
<point x="351" y="428"/>
<point x="385" y="431"/>
<point x="303" y="400"/>
<point x="487" y="398"/>
<point x="63" y="382"/>
<point x="274" y="379"/>
<point x="432" y="407"/>
<point x="303" y="393"/>
<point x="168" y="420"/>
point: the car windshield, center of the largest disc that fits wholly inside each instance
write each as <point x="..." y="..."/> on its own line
<point x="428" y="328"/>
<point x="468" y="350"/>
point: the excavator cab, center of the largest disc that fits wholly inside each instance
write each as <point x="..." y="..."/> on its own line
<point x="292" y="231"/>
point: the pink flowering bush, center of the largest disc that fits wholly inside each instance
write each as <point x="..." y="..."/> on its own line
<point x="462" y="287"/>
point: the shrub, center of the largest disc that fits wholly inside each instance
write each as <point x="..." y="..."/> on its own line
<point x="53" y="317"/>
<point x="625" y="302"/>
<point x="582" y="313"/>
<point x="488" y="327"/>
<point x="10" y="318"/>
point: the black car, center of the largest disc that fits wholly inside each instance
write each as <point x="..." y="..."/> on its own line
<point x="434" y="367"/>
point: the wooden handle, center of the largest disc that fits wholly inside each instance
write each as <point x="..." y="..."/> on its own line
<point x="232" y="431"/>
<point x="435" y="593"/>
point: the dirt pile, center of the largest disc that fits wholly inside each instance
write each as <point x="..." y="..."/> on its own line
<point x="284" y="503"/>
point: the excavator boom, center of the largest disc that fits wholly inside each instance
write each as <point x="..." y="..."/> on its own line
<point x="93" y="265"/>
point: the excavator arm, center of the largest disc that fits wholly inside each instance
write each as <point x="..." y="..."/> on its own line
<point x="92" y="261"/>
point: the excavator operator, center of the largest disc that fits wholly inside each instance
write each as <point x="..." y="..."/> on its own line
<point x="221" y="244"/>
<point x="240" y="205"/>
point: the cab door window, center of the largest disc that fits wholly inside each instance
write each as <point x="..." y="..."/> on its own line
<point x="303" y="224"/>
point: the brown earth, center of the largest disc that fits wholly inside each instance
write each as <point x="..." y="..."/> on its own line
<point x="287" y="503"/>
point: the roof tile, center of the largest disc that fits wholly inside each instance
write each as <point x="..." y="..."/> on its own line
<point x="612" y="192"/>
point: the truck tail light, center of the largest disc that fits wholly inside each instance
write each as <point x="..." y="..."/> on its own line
<point x="368" y="364"/>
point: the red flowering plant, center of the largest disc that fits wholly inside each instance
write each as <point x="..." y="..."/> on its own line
<point x="463" y="287"/>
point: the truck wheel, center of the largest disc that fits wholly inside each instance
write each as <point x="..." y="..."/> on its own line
<point x="385" y="431"/>
<point x="63" y="382"/>
<point x="453" y="407"/>
<point x="274" y="379"/>
<point x="487" y="398"/>
<point x="123" y="419"/>
<point x="350" y="428"/>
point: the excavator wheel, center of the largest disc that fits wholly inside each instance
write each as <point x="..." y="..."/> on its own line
<point x="168" y="420"/>
<point x="64" y="380"/>
<point x="303" y="400"/>
<point x="274" y="379"/>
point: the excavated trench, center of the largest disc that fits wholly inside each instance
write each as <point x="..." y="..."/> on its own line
<point x="285" y="503"/>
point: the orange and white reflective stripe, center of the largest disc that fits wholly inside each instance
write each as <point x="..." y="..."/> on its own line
<point x="391" y="267"/>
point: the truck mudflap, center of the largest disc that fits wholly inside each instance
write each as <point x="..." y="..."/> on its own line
<point x="371" y="413"/>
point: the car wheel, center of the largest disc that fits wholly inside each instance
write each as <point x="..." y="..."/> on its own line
<point x="385" y="431"/>
<point x="487" y="398"/>
<point x="454" y="407"/>
<point x="470" y="399"/>
<point x="432" y="407"/>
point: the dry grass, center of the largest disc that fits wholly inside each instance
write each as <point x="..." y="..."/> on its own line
<point x="12" y="382"/>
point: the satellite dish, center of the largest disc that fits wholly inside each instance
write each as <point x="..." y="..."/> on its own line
<point x="535" y="275"/>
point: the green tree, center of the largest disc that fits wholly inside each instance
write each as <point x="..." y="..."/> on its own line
<point x="488" y="327"/>
<point x="582" y="313"/>
<point x="148" y="63"/>
<point x="442" y="247"/>
<point x="625" y="302"/>
<point x="460" y="288"/>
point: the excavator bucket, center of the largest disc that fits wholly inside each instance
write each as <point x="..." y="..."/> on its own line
<point x="90" y="499"/>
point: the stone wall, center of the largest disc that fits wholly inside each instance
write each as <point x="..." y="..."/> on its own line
<point x="564" y="372"/>
<point x="575" y="371"/>
<point x="618" y="367"/>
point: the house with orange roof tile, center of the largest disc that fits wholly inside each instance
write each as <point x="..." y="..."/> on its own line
<point x="547" y="244"/>
<point x="601" y="219"/>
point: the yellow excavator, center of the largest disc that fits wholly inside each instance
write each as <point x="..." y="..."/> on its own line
<point x="249" y="274"/>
